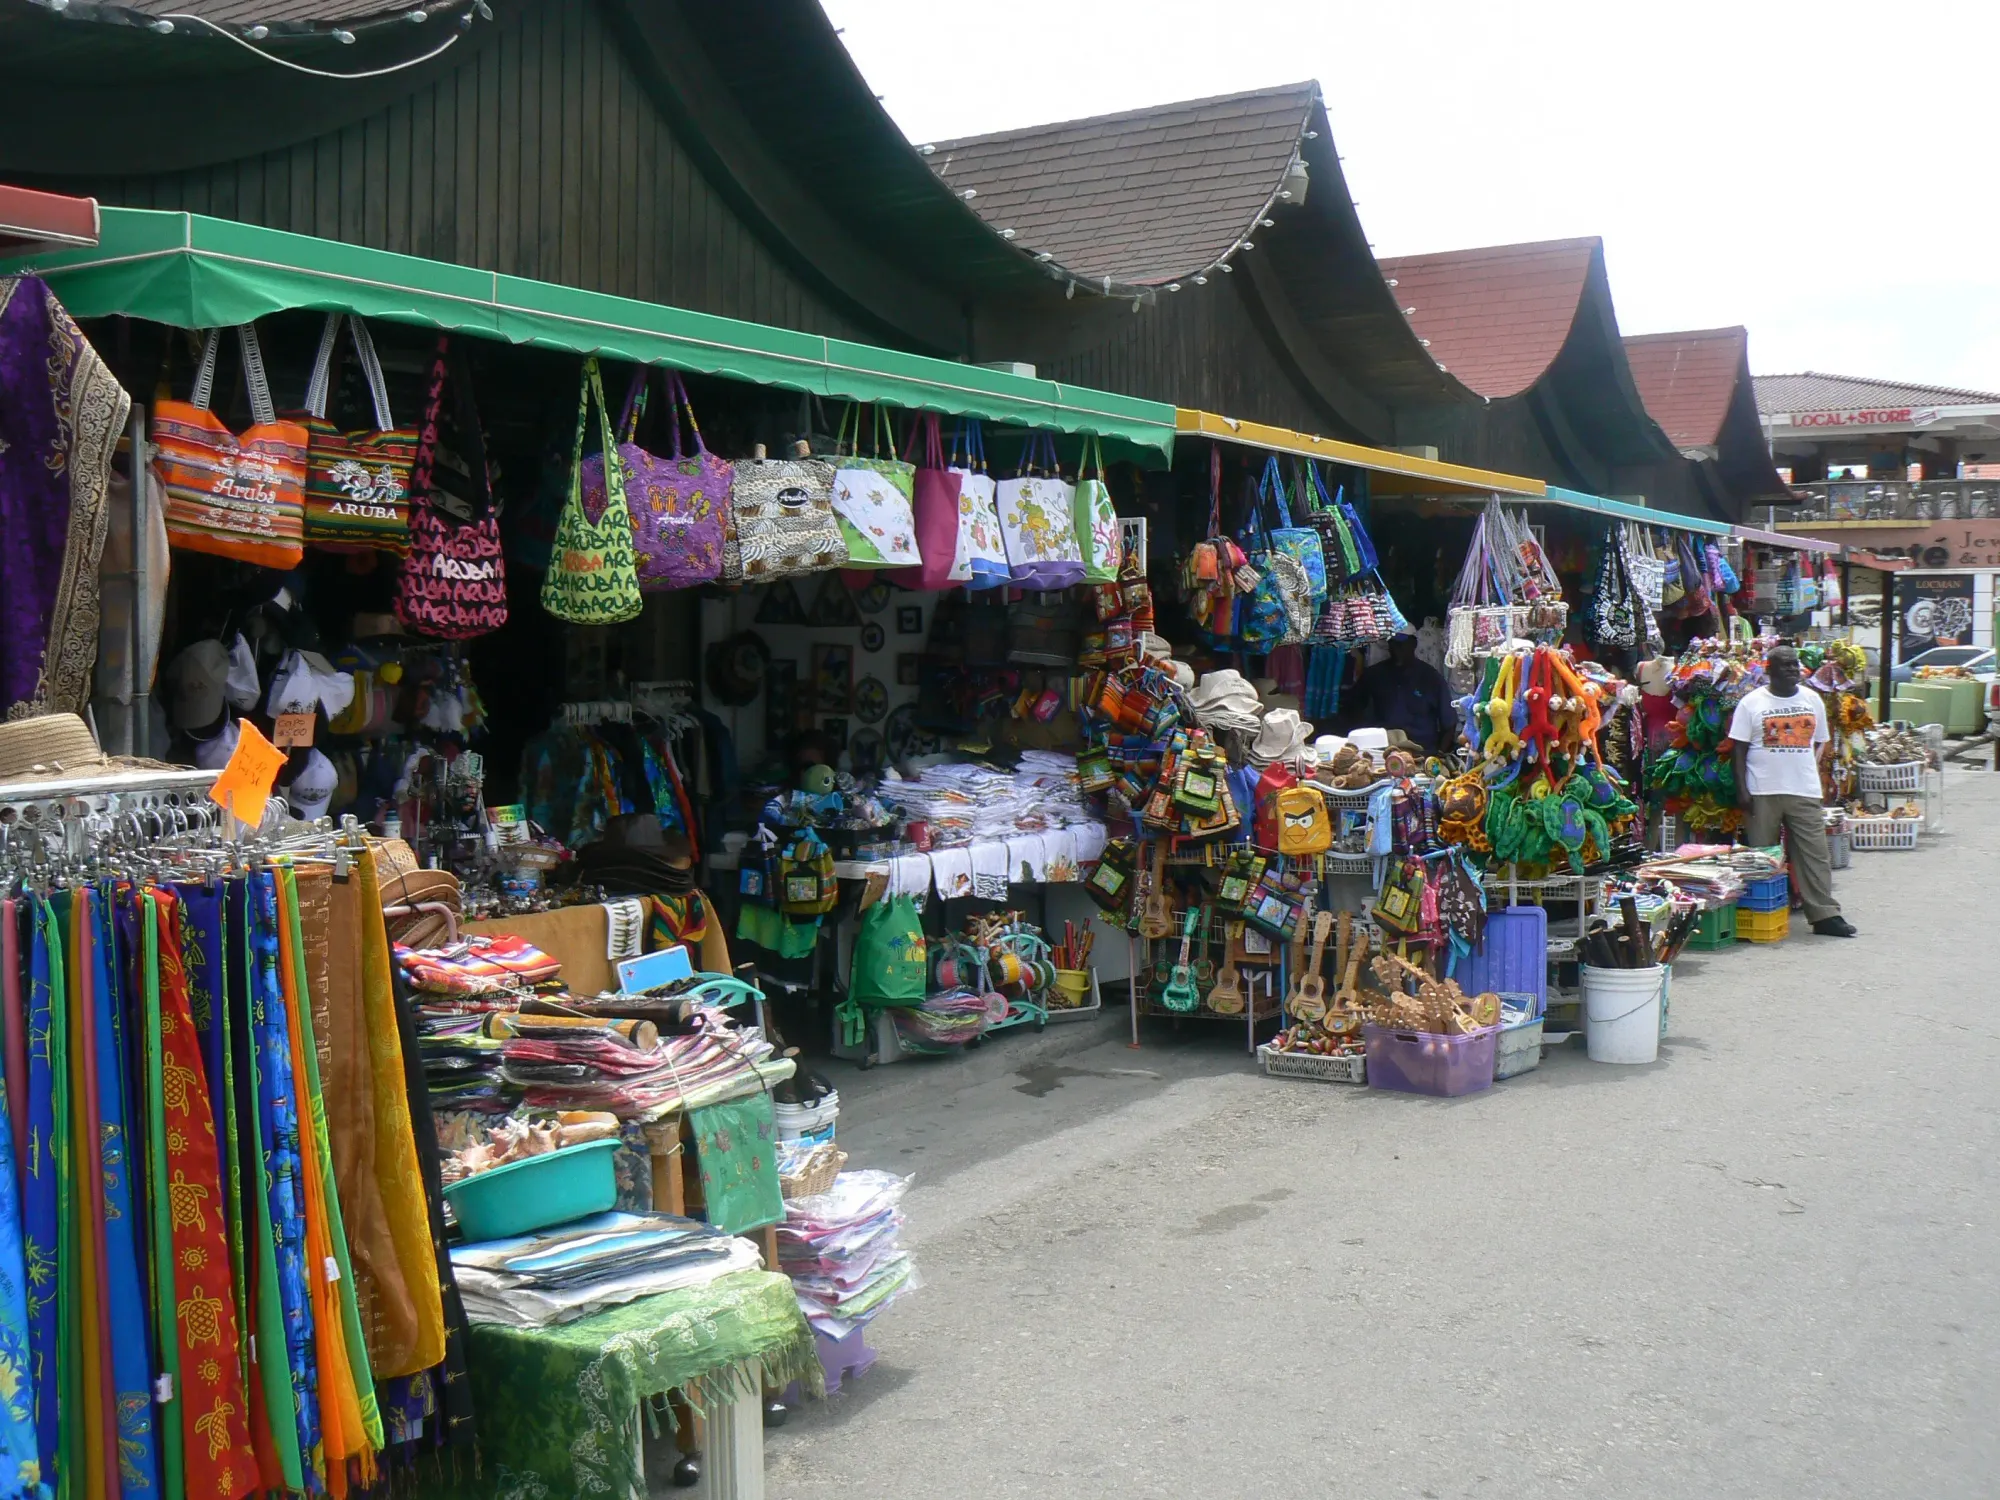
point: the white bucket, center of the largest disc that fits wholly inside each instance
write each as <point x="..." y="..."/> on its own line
<point x="1621" y="1013"/>
<point x="811" y="1123"/>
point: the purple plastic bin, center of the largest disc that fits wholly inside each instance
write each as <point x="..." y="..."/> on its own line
<point x="1421" y="1062"/>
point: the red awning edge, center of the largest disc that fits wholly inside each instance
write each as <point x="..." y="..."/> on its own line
<point x="28" y="217"/>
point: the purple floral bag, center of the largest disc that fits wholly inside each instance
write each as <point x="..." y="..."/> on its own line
<point x="679" y="503"/>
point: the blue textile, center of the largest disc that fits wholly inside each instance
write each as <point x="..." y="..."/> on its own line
<point x="277" y="1106"/>
<point x="48" y="1154"/>
<point x="131" y="1348"/>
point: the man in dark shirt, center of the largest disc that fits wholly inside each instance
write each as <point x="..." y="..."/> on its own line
<point x="1404" y="693"/>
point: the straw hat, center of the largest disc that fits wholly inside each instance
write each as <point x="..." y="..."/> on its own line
<point x="1281" y="736"/>
<point x="1224" y="700"/>
<point x="50" y="747"/>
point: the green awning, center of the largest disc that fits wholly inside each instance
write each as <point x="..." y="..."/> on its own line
<point x="1624" y="510"/>
<point x="191" y="271"/>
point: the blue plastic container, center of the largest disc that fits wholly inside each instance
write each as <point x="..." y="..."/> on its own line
<point x="1514" y="957"/>
<point x="1770" y="893"/>
<point x="524" y="1196"/>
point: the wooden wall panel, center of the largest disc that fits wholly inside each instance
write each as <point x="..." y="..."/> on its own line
<point x="542" y="156"/>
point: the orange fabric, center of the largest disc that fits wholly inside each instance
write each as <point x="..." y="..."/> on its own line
<point x="239" y="496"/>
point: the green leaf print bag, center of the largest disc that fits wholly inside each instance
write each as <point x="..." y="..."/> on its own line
<point x="593" y="578"/>
<point x="891" y="959"/>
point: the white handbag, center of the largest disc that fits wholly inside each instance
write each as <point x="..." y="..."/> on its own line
<point x="1038" y="520"/>
<point x="872" y="497"/>
<point x="981" y="562"/>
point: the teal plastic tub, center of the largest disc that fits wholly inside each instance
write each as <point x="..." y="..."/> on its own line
<point x="524" y="1196"/>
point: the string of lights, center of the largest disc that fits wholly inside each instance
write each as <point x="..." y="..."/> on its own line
<point x="248" y="37"/>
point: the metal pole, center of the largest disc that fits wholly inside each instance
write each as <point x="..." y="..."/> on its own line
<point x="141" y="712"/>
<point x="1886" y="652"/>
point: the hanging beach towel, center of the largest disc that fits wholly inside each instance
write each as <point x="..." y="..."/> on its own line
<point x="1096" y="518"/>
<point x="1038" y="519"/>
<point x="234" y="495"/>
<point x="871" y="495"/>
<point x="679" y="504"/>
<point x="981" y="562"/>
<point x="934" y="502"/>
<point x="454" y="581"/>
<point x="592" y="579"/>
<point x="357" y="483"/>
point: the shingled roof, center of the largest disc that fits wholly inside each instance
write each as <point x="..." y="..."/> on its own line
<point x="1809" y="390"/>
<point x="1688" y="379"/>
<point x="1144" y="197"/>
<point x="1495" y="317"/>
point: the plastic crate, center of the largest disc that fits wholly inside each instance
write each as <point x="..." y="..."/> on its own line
<point x="1877" y="834"/>
<point x="1277" y="1064"/>
<point x="1519" y="1050"/>
<point x="1904" y="776"/>
<point x="1763" y="926"/>
<point x="1716" y="929"/>
<point x="1422" y="1062"/>
<point x="1770" y="893"/>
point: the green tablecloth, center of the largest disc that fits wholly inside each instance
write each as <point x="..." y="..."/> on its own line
<point x="558" y="1407"/>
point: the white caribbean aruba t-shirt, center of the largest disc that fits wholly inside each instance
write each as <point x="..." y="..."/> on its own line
<point x="1784" y="736"/>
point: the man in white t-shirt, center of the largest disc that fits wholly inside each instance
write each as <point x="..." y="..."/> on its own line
<point x="1777" y="739"/>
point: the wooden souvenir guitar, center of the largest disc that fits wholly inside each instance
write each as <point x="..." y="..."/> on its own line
<point x="1345" y="1018"/>
<point x="1308" y="997"/>
<point x="1180" y="993"/>
<point x="1156" y="918"/>
<point x="1228" y="996"/>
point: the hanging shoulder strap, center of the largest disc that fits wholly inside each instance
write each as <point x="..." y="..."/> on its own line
<point x="254" y="378"/>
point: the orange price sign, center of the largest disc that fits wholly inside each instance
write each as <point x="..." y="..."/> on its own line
<point x="245" y="783"/>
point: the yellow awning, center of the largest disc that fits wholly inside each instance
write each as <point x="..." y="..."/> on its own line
<point x="1395" y="473"/>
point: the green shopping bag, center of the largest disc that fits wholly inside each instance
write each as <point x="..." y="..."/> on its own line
<point x="593" y="578"/>
<point x="1096" y="518"/>
<point x="891" y="961"/>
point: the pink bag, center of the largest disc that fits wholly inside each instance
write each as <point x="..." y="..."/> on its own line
<point x="679" y="503"/>
<point x="935" y="502"/>
<point x="454" y="582"/>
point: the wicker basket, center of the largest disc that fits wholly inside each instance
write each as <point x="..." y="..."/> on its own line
<point x="821" y="1166"/>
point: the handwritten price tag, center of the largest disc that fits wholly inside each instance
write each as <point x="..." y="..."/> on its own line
<point x="245" y="783"/>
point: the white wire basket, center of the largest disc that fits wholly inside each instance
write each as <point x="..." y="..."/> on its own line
<point x="1904" y="776"/>
<point x="1874" y="835"/>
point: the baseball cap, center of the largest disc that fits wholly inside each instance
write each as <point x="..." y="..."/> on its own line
<point x="195" y="679"/>
<point x="213" y="754"/>
<point x="305" y="681"/>
<point x="311" y="790"/>
<point x="241" y="688"/>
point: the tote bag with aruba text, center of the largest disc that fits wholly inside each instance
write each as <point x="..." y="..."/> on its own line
<point x="235" y="495"/>
<point x="593" y="578"/>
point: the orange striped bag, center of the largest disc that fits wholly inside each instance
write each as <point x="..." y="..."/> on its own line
<point x="232" y="495"/>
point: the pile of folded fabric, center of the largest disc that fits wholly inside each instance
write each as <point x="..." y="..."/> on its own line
<point x="575" y="1269"/>
<point x="841" y="1249"/>
<point x="476" y="968"/>
<point x="461" y="1063"/>
<point x="604" y="1068"/>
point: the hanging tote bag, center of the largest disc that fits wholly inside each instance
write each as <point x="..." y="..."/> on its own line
<point x="891" y="959"/>
<point x="871" y="496"/>
<point x="454" y="581"/>
<point x="784" y="517"/>
<point x="592" y="578"/>
<point x="357" y="483"/>
<point x="236" y="495"/>
<point x="981" y="561"/>
<point x="1038" y="520"/>
<point x="679" y="504"/>
<point x="1096" y="518"/>
<point x="934" y="502"/>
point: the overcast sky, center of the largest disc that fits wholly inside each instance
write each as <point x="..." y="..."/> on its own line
<point x="1820" y="171"/>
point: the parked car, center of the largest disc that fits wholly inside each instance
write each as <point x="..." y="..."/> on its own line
<point x="1975" y="659"/>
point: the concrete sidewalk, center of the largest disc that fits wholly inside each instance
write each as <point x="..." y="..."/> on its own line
<point x="1761" y="1267"/>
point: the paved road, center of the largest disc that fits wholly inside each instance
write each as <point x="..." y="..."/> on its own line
<point x="1762" y="1267"/>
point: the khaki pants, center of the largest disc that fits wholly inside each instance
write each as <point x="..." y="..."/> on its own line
<point x="1805" y="845"/>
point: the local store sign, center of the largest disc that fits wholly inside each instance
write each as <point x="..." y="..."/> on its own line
<point x="1870" y="416"/>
